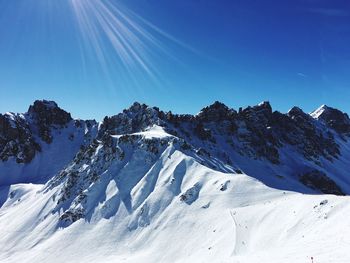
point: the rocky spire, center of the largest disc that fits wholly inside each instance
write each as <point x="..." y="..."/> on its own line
<point x="216" y="112"/>
<point x="48" y="113"/>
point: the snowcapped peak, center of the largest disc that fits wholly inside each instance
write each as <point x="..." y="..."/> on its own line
<point x="265" y="105"/>
<point x="319" y="111"/>
<point x="10" y="115"/>
<point x="335" y="119"/>
<point x="147" y="174"/>
<point x="262" y="109"/>
<point x="10" y="118"/>
<point x="136" y="118"/>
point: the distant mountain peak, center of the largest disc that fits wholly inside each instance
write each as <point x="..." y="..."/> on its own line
<point x="47" y="103"/>
<point x="42" y="104"/>
<point x="136" y="106"/>
<point x="320" y="111"/>
<point x="265" y="104"/>
<point x="295" y="110"/>
<point x="153" y="177"/>
<point x="298" y="113"/>
<point x="45" y="114"/>
<point x="216" y="111"/>
<point x="49" y="113"/>
<point x="334" y="118"/>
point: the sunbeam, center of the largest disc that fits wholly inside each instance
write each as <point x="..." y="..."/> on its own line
<point x="136" y="44"/>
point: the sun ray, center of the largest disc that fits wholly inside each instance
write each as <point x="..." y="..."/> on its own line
<point x="106" y="26"/>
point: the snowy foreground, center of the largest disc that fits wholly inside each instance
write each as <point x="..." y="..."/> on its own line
<point x="224" y="218"/>
<point x="247" y="223"/>
<point x="142" y="188"/>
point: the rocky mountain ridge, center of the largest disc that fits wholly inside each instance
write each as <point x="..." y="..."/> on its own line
<point x="217" y="132"/>
<point x="123" y="189"/>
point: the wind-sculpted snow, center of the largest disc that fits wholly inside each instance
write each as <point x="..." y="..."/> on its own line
<point x="180" y="212"/>
<point x="120" y="164"/>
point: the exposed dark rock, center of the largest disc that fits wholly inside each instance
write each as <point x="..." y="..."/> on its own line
<point x="216" y="112"/>
<point x="16" y="139"/>
<point x="191" y="195"/>
<point x="135" y="119"/>
<point x="203" y="152"/>
<point x="318" y="180"/>
<point x="201" y="132"/>
<point x="72" y="216"/>
<point x="335" y="119"/>
<point x="47" y="114"/>
<point x="301" y="131"/>
<point x="261" y="113"/>
<point x="256" y="132"/>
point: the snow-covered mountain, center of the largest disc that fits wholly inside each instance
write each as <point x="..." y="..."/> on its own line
<point x="253" y="185"/>
<point x="39" y="143"/>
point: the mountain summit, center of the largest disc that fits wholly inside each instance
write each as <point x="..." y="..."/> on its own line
<point x="241" y="179"/>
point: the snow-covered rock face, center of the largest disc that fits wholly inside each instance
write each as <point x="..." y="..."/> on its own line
<point x="137" y="118"/>
<point x="16" y="139"/>
<point x="46" y="115"/>
<point x="123" y="160"/>
<point x="216" y="112"/>
<point x="219" y="186"/>
<point x="333" y="118"/>
<point x="19" y="131"/>
<point x="256" y="133"/>
<point x="37" y="144"/>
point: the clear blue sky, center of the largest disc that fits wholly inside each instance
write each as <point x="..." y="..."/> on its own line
<point x="240" y="52"/>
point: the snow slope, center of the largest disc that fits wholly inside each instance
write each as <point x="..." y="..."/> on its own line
<point x="167" y="206"/>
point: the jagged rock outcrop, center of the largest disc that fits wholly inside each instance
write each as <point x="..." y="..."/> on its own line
<point x="134" y="119"/>
<point x="334" y="119"/>
<point x="101" y="158"/>
<point x="216" y="112"/>
<point x="22" y="135"/>
<point x="313" y="143"/>
<point x="215" y="133"/>
<point x="320" y="181"/>
<point x="16" y="139"/>
<point x="47" y="115"/>
<point x="258" y="131"/>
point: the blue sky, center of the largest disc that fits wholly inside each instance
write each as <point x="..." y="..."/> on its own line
<point x="238" y="52"/>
